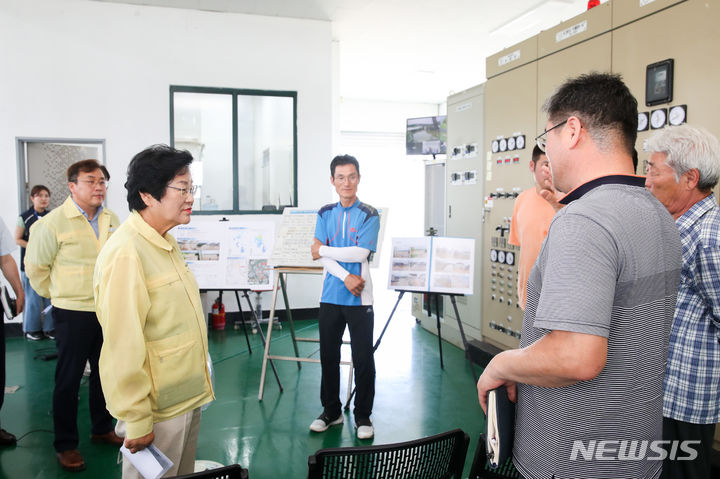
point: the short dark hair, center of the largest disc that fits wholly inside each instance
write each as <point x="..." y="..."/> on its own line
<point x="604" y="105"/>
<point x="85" y="166"/>
<point x="151" y="170"/>
<point x="37" y="189"/>
<point x="343" y="160"/>
<point x="536" y="154"/>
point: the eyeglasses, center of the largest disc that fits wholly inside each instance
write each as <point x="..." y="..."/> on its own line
<point x="184" y="191"/>
<point x="351" y="178"/>
<point x="102" y="183"/>
<point x="541" y="139"/>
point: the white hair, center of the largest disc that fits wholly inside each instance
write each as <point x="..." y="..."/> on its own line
<point x="688" y="147"/>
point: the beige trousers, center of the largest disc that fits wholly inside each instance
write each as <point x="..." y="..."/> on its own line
<point x="176" y="438"/>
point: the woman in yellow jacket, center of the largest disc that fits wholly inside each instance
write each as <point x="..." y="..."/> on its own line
<point x="153" y="363"/>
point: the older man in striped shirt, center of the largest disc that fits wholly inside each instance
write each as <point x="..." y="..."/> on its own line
<point x="683" y="168"/>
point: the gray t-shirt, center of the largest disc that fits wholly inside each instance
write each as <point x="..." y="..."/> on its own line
<point x="610" y="266"/>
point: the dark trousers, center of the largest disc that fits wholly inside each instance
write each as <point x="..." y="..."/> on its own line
<point x="699" y="468"/>
<point x="79" y="338"/>
<point x="331" y="323"/>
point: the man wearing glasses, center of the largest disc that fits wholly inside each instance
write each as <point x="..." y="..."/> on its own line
<point x="588" y="377"/>
<point x="346" y="234"/>
<point x="59" y="261"/>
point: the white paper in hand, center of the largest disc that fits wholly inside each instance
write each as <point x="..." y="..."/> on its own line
<point x="151" y="463"/>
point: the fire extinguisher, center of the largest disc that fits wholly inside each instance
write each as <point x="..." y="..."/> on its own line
<point x="218" y="314"/>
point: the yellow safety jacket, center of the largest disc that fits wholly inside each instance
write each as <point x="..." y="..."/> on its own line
<point x="60" y="256"/>
<point x="153" y="363"/>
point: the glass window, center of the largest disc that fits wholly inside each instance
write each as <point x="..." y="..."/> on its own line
<point x="244" y="145"/>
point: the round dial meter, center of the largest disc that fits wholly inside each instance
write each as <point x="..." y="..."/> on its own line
<point x="501" y="256"/>
<point x="511" y="143"/>
<point x="677" y="115"/>
<point x="510" y="258"/>
<point x="495" y="146"/>
<point x="658" y="118"/>
<point x="520" y="142"/>
<point x="493" y="255"/>
<point x="503" y="144"/>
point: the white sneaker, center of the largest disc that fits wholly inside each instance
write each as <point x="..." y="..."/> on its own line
<point x="323" y="422"/>
<point x="365" y="429"/>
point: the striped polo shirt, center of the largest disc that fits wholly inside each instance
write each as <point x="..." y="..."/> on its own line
<point x="610" y="266"/>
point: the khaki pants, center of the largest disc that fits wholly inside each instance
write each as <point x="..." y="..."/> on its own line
<point x="176" y="438"/>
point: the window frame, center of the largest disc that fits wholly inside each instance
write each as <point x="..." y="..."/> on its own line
<point x="235" y="92"/>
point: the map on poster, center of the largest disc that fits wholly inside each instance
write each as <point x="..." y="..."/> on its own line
<point x="230" y="254"/>
<point x="297" y="233"/>
<point x="432" y="264"/>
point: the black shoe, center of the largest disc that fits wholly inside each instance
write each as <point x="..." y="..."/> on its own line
<point x="50" y="334"/>
<point x="8" y="303"/>
<point x="323" y="422"/>
<point x="34" y="335"/>
<point x="7" y="439"/>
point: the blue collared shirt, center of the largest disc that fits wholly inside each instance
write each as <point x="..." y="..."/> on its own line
<point x="692" y="379"/>
<point x="338" y="226"/>
<point x="94" y="221"/>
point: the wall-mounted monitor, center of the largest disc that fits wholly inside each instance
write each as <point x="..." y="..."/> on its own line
<point x="426" y="135"/>
<point x="659" y="82"/>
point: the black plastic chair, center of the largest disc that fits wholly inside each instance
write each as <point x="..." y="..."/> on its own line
<point x="228" y="472"/>
<point x="435" y="457"/>
<point x="480" y="468"/>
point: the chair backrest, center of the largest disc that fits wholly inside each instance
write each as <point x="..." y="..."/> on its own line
<point x="435" y="457"/>
<point x="233" y="471"/>
<point x="480" y="468"/>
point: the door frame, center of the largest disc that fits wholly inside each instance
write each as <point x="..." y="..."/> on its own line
<point x="21" y="154"/>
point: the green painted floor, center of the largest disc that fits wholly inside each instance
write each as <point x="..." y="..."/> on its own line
<point x="414" y="398"/>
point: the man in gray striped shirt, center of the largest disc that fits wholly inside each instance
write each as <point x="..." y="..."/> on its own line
<point x="588" y="377"/>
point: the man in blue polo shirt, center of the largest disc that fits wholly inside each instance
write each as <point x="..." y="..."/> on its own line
<point x="346" y="235"/>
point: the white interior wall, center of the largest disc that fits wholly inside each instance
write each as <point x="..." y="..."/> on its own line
<point x="374" y="132"/>
<point x="80" y="69"/>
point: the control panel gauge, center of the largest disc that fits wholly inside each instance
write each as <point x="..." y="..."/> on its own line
<point x="511" y="143"/>
<point x="503" y="144"/>
<point x="493" y="255"/>
<point x="643" y="121"/>
<point x="677" y="115"/>
<point x="495" y="146"/>
<point x="510" y="258"/>
<point x="658" y="118"/>
<point x="520" y="142"/>
<point x="501" y="256"/>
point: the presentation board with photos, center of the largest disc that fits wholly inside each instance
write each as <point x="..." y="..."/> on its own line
<point x="432" y="263"/>
<point x="228" y="254"/>
<point x="296" y="234"/>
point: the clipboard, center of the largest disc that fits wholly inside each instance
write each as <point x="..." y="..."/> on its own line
<point x="500" y="427"/>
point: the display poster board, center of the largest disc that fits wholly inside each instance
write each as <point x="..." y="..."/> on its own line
<point x="433" y="264"/>
<point x="296" y="235"/>
<point x="293" y="239"/>
<point x="228" y="254"/>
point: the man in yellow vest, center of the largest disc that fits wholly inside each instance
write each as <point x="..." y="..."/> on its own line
<point x="59" y="261"/>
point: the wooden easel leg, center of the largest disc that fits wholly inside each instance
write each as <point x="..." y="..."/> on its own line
<point x="288" y="312"/>
<point x="266" y="342"/>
